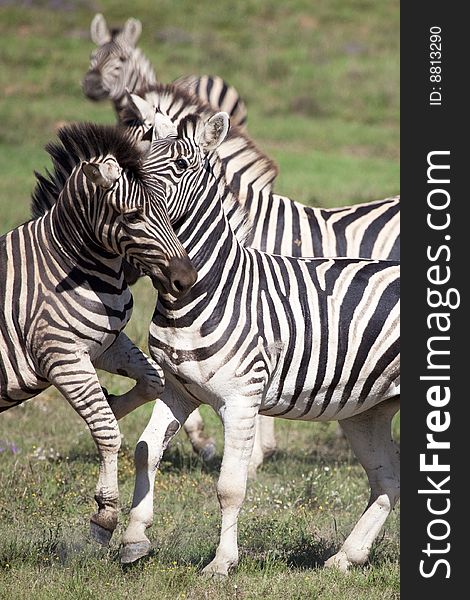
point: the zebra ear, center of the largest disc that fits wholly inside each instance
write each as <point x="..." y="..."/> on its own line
<point x="214" y="131"/>
<point x="142" y="109"/>
<point x="132" y="30"/>
<point x="103" y="175"/>
<point x="164" y="126"/>
<point x="99" y="31"/>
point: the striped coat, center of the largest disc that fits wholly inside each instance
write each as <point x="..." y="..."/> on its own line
<point x="299" y="338"/>
<point x="279" y="225"/>
<point x="63" y="298"/>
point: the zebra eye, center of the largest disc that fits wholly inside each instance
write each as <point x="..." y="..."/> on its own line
<point x="181" y="163"/>
<point x="133" y="216"/>
<point x="122" y="58"/>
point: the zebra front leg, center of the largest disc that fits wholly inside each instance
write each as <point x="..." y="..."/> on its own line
<point x="202" y="445"/>
<point x="82" y="390"/>
<point x="126" y="359"/>
<point x="168" y="414"/>
<point x="370" y="436"/>
<point x="239" y="433"/>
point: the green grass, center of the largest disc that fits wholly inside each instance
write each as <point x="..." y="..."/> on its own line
<point x="301" y="507"/>
<point x="321" y="84"/>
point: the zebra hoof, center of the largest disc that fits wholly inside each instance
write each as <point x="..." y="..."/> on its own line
<point x="338" y="561"/>
<point x="134" y="551"/>
<point x="100" y="534"/>
<point x="216" y="570"/>
<point x="207" y="453"/>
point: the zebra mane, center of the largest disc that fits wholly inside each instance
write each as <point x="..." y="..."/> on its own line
<point x="115" y="31"/>
<point x="237" y="217"/>
<point x="188" y="125"/>
<point x="237" y="147"/>
<point x="78" y="142"/>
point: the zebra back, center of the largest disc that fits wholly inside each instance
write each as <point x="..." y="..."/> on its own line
<point x="281" y="225"/>
<point x="217" y="93"/>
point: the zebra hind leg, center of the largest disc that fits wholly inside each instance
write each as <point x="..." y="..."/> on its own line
<point x="265" y="444"/>
<point x="370" y="436"/>
<point x="201" y="443"/>
<point x="268" y="436"/>
<point x="83" y="391"/>
<point x="126" y="359"/>
<point x="257" y="455"/>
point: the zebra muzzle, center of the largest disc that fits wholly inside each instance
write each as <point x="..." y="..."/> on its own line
<point x="93" y="86"/>
<point x="176" y="279"/>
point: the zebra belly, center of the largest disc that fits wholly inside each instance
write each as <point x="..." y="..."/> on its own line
<point x="18" y="379"/>
<point x="326" y="404"/>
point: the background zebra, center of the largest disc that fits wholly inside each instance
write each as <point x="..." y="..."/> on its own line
<point x="117" y="64"/>
<point x="278" y="224"/>
<point x="310" y="339"/>
<point x="63" y="298"/>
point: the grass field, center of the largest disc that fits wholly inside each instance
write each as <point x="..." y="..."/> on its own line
<point x="320" y="80"/>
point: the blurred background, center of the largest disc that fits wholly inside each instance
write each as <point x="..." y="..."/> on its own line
<point x="321" y="84"/>
<point x="320" y="80"/>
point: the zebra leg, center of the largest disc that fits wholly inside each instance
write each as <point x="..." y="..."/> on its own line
<point x="370" y="436"/>
<point x="265" y="443"/>
<point x="202" y="445"/>
<point x="83" y="391"/>
<point x="239" y="433"/>
<point x="257" y="455"/>
<point x="126" y="359"/>
<point x="268" y="436"/>
<point x="168" y="414"/>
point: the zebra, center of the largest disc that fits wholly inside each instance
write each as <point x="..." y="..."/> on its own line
<point x="310" y="339"/>
<point x="279" y="225"/>
<point x="118" y="64"/>
<point x="63" y="299"/>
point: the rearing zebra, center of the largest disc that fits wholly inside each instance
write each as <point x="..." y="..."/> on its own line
<point x="117" y="64"/>
<point x="279" y="225"/>
<point x="298" y="338"/>
<point x="63" y="298"/>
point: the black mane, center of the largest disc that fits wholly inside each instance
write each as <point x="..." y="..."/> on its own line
<point x="187" y="125"/>
<point x="78" y="142"/>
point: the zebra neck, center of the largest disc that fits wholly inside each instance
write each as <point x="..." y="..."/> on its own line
<point x="140" y="74"/>
<point x="235" y="210"/>
<point x="72" y="243"/>
<point x="213" y="248"/>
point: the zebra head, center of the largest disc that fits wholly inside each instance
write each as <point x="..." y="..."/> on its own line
<point x="129" y="218"/>
<point x="178" y="156"/>
<point x="99" y="191"/>
<point x="112" y="63"/>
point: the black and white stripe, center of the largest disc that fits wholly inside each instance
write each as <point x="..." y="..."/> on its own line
<point x="217" y="93"/>
<point x="299" y="338"/>
<point x="63" y="298"/>
<point x="117" y="65"/>
<point x="279" y="225"/>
